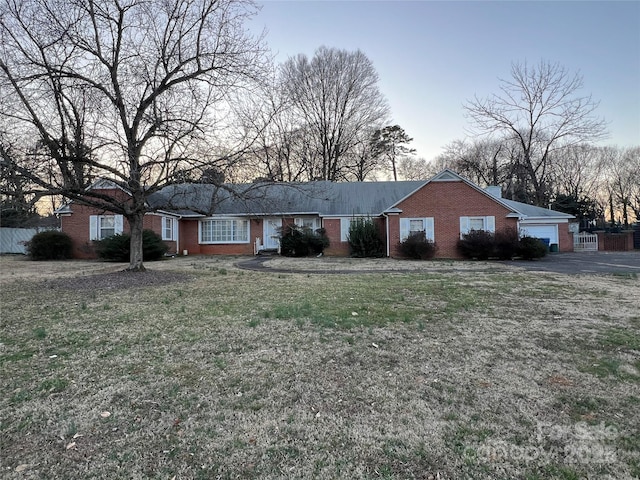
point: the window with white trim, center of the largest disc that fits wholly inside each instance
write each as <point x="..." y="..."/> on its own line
<point x="409" y="226"/>
<point x="312" y="223"/>
<point x="487" y="223"/>
<point x="107" y="226"/>
<point x="224" y="230"/>
<point x="104" y="226"/>
<point x="168" y="228"/>
<point x="345" y="226"/>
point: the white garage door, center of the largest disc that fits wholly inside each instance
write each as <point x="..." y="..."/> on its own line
<point x="541" y="231"/>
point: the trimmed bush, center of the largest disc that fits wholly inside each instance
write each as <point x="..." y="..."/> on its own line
<point x="364" y="239"/>
<point x="417" y="247"/>
<point x="507" y="243"/>
<point x="478" y="244"/>
<point x="117" y="248"/>
<point x="296" y="241"/>
<point x="50" y="245"/>
<point x="504" y="244"/>
<point x="531" y="248"/>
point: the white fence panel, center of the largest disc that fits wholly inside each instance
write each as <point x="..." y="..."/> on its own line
<point x="14" y="240"/>
<point x="585" y="242"/>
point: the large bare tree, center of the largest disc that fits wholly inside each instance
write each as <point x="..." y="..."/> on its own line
<point x="541" y="109"/>
<point x="336" y="97"/>
<point x="280" y="151"/>
<point x="484" y="161"/>
<point x="622" y="171"/>
<point x="122" y="89"/>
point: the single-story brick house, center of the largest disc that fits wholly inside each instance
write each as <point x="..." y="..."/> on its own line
<point x="244" y="219"/>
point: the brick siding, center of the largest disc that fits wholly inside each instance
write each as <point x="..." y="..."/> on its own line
<point x="336" y="248"/>
<point x="446" y="202"/>
<point x="76" y="225"/>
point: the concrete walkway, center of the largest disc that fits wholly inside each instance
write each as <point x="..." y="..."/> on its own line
<point x="600" y="263"/>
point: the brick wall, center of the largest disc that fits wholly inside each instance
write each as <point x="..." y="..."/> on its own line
<point x="332" y="230"/>
<point x="446" y="202"/>
<point x="188" y="236"/>
<point x="189" y="240"/>
<point x="615" y="242"/>
<point x="565" y="238"/>
<point x="153" y="222"/>
<point x="76" y="225"/>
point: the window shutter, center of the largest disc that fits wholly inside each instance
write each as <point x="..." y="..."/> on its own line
<point x="93" y="227"/>
<point x="490" y="224"/>
<point x="174" y="229"/>
<point x="119" y="224"/>
<point x="464" y="226"/>
<point x="429" y="229"/>
<point x="404" y="229"/>
<point x="345" y="223"/>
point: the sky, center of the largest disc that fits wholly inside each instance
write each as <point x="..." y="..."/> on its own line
<point x="434" y="56"/>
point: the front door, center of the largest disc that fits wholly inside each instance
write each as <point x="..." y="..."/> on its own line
<point x="272" y="233"/>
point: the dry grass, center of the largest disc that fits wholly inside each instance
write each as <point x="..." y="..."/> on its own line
<point x="456" y="370"/>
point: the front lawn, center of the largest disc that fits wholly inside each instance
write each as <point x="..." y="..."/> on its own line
<point x="454" y="370"/>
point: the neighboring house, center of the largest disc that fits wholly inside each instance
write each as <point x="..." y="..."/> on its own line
<point x="245" y="219"/>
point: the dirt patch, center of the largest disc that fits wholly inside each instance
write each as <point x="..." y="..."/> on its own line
<point x="342" y="265"/>
<point x="19" y="267"/>
<point x="85" y="275"/>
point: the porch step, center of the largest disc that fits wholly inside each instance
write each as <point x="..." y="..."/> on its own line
<point x="268" y="251"/>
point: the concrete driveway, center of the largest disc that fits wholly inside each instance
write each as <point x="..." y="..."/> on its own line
<point x="588" y="262"/>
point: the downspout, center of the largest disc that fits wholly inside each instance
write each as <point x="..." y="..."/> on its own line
<point x="386" y="225"/>
<point x="178" y="235"/>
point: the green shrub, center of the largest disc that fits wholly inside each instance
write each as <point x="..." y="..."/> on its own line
<point x="418" y="247"/>
<point x="50" y="245"/>
<point x="117" y="248"/>
<point x="478" y="244"/>
<point x="531" y="248"/>
<point x="364" y="239"/>
<point x="506" y="243"/>
<point x="296" y="241"/>
<point x="153" y="248"/>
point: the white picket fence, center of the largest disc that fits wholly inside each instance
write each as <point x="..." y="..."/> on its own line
<point x="585" y="242"/>
<point x="14" y="240"/>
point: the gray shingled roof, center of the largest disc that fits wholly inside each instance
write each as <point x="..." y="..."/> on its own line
<point x="314" y="198"/>
<point x="323" y="198"/>
<point x="533" y="211"/>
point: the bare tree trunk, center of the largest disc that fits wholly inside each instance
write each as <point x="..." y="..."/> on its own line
<point x="612" y="210"/>
<point x="136" y="224"/>
<point x="394" y="168"/>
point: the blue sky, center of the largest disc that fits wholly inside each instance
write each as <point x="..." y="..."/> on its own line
<point x="434" y="56"/>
